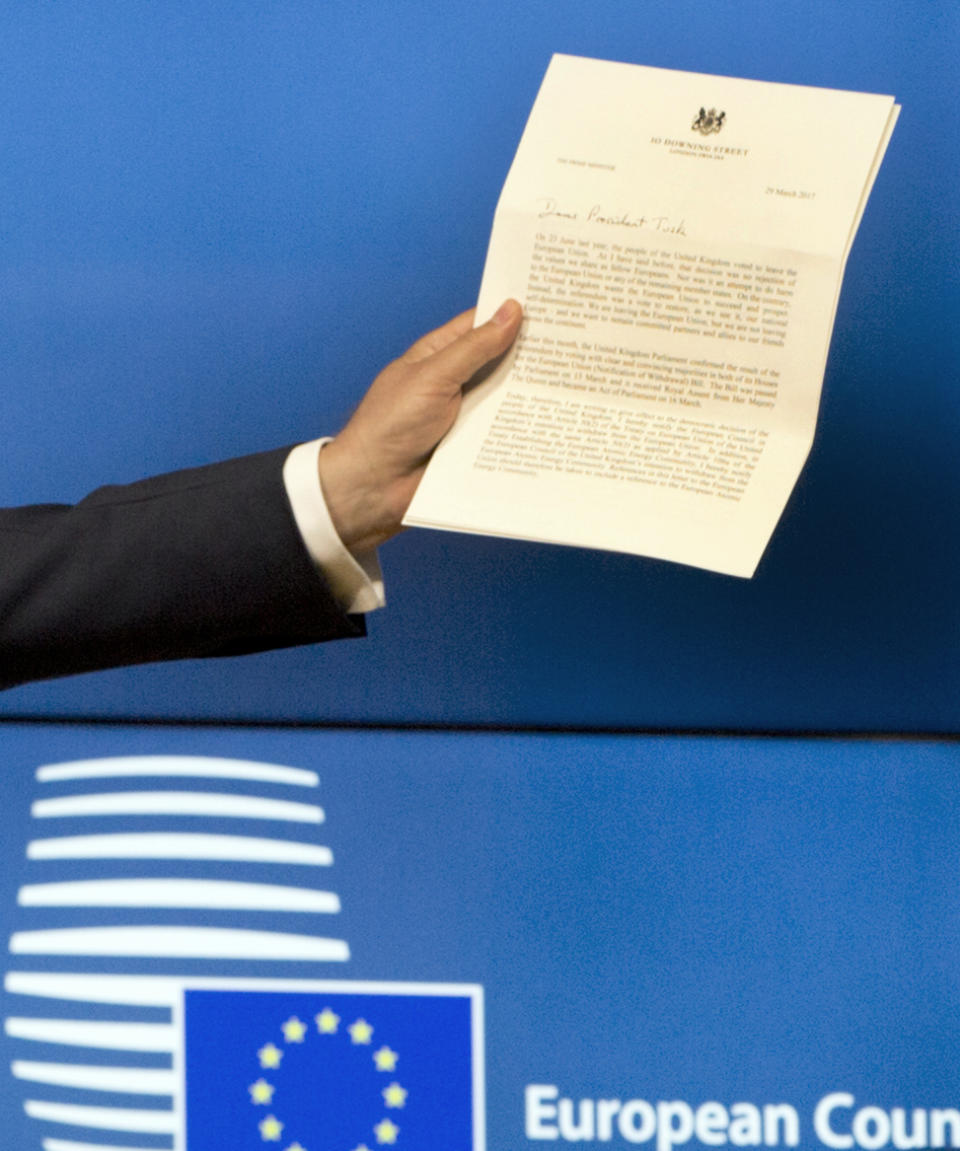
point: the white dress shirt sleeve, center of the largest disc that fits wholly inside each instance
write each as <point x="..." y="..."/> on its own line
<point x="356" y="581"/>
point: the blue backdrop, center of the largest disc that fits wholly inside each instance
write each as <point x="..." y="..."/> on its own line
<point x="220" y="220"/>
<point x="765" y="921"/>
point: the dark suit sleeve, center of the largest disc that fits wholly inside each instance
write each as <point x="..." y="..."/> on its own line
<point x="204" y="562"/>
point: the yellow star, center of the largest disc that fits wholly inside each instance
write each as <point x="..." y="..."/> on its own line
<point x="294" y="1030"/>
<point x="362" y="1147"/>
<point x="394" y="1095"/>
<point x="385" y="1059"/>
<point x="296" y="1147"/>
<point x="270" y="1056"/>
<point x="361" y="1031"/>
<point x="386" y="1132"/>
<point x="261" y="1092"/>
<point x="270" y="1129"/>
<point x="327" y="1022"/>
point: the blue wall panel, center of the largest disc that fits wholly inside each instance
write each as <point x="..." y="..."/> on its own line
<point x="219" y="220"/>
<point x="767" y="921"/>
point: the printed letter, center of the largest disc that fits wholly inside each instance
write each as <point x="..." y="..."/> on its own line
<point x="670" y="1133"/>
<point x="821" y="1120"/>
<point x="938" y="1127"/>
<point x="570" y="1129"/>
<point x="745" y="1125"/>
<point x="772" y="1116"/>
<point x="871" y="1128"/>
<point x="539" y="1111"/>
<point x="606" y="1109"/>
<point x="711" y="1124"/>
<point x="627" y="1121"/>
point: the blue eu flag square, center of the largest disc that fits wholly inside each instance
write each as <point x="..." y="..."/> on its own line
<point x="338" y="1067"/>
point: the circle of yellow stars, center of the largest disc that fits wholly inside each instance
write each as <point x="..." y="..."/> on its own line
<point x="327" y="1022"/>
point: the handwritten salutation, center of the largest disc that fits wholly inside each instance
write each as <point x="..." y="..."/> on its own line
<point x="550" y="208"/>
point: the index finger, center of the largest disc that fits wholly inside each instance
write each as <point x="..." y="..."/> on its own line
<point x="462" y="357"/>
<point x="440" y="338"/>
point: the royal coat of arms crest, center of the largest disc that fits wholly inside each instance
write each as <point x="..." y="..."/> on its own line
<point x="707" y="123"/>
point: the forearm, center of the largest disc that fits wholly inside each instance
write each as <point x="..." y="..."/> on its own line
<point x="198" y="563"/>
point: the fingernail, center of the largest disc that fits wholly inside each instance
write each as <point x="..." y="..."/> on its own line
<point x="506" y="313"/>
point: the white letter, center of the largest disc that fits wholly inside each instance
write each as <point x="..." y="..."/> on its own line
<point x="666" y="1113"/>
<point x="873" y="1117"/>
<point x="900" y="1137"/>
<point x="745" y="1128"/>
<point x="772" y="1114"/>
<point x="606" y="1109"/>
<point x="821" y="1120"/>
<point x="539" y="1110"/>
<point x="571" y="1131"/>
<point x="938" y="1127"/>
<point x="711" y="1123"/>
<point x="627" y="1121"/>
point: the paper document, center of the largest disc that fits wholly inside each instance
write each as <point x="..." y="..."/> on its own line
<point x="678" y="242"/>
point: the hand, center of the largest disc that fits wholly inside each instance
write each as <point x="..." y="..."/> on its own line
<point x="371" y="470"/>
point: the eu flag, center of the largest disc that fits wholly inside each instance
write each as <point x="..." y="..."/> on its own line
<point x="339" y="1070"/>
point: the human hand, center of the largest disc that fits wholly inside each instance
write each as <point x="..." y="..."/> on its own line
<point x="370" y="471"/>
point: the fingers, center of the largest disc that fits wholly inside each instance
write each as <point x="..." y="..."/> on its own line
<point x="465" y="354"/>
<point x="452" y="330"/>
<point x="370" y="470"/>
<point x="440" y="337"/>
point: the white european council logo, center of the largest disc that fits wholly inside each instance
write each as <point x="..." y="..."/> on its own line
<point x="108" y="965"/>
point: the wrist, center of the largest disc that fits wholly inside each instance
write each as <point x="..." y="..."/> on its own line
<point x="364" y="508"/>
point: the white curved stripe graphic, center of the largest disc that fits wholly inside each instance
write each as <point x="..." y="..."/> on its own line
<point x="70" y="1145"/>
<point x="178" y="942"/>
<point x="176" y="765"/>
<point x="166" y="991"/>
<point x="108" y="1118"/>
<point x="209" y="893"/>
<point x="125" y="1080"/>
<point x="125" y="990"/>
<point x="185" y="845"/>
<point x="153" y="1037"/>
<point x="210" y="804"/>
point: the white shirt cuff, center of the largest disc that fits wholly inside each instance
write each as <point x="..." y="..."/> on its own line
<point x="356" y="581"/>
